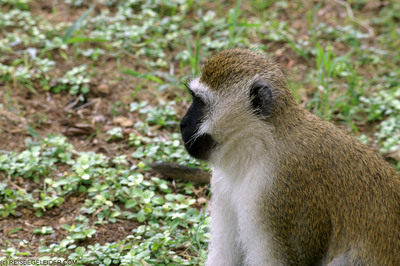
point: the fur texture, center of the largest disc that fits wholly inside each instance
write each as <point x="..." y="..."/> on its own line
<point x="290" y="188"/>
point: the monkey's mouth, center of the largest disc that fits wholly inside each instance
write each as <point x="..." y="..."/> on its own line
<point x="200" y="147"/>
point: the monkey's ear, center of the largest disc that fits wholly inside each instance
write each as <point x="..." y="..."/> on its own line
<point x="261" y="98"/>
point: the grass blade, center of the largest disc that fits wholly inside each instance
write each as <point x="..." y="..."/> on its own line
<point x="75" y="26"/>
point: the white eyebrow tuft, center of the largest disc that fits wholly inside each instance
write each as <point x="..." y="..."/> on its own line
<point x="196" y="86"/>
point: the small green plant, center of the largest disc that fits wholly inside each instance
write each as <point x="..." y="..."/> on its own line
<point x="8" y="208"/>
<point x="330" y="68"/>
<point x="160" y="149"/>
<point x="47" y="202"/>
<point x="385" y="105"/>
<point x="76" y="81"/>
<point x="163" y="115"/>
<point x="115" y="133"/>
<point x="44" y="230"/>
<point x="19" y="4"/>
<point x="76" y="3"/>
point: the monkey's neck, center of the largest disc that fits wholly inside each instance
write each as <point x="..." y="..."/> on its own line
<point x="235" y="158"/>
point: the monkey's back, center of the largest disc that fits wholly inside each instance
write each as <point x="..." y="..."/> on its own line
<point x="338" y="192"/>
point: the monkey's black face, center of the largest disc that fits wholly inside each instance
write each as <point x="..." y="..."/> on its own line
<point x="199" y="147"/>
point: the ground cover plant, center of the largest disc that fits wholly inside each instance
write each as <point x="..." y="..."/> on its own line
<point x="90" y="93"/>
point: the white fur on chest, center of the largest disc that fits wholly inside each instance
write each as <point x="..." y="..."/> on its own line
<point x="235" y="218"/>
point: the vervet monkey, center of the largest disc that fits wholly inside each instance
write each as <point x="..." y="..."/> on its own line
<point x="287" y="187"/>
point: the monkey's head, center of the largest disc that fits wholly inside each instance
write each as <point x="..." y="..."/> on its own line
<point x="237" y="99"/>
